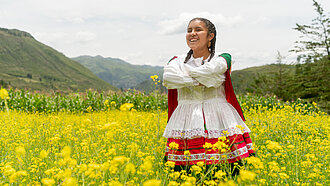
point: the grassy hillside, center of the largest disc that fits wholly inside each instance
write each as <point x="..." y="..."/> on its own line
<point x="242" y="79"/>
<point x="27" y="63"/>
<point x="118" y="72"/>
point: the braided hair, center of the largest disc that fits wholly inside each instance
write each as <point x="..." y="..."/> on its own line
<point x="211" y="29"/>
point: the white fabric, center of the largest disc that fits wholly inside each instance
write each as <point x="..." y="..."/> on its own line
<point x="194" y="100"/>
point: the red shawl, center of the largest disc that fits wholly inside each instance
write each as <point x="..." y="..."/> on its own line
<point x="229" y="91"/>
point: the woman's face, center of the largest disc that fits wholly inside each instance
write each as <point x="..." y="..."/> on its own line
<point x="197" y="36"/>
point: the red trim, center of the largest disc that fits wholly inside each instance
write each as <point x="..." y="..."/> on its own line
<point x="230" y="94"/>
<point x="172" y="97"/>
<point x="195" y="147"/>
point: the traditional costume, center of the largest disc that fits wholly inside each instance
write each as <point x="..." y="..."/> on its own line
<point x="199" y="115"/>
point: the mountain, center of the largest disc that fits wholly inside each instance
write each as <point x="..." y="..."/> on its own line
<point x="119" y="73"/>
<point x="125" y="75"/>
<point x="243" y="79"/>
<point x="27" y="63"/>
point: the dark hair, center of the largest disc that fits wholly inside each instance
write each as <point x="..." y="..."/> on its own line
<point x="211" y="29"/>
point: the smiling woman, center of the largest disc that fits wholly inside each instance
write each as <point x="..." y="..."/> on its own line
<point x="205" y="120"/>
<point x="199" y="38"/>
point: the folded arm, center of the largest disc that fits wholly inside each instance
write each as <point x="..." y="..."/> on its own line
<point x="175" y="77"/>
<point x="211" y="74"/>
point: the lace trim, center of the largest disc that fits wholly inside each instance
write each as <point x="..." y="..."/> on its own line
<point x="191" y="133"/>
<point x="196" y="133"/>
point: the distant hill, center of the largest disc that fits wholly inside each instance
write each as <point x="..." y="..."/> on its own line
<point x="119" y="73"/>
<point x="243" y="79"/>
<point x="27" y="63"/>
<point x="125" y="75"/>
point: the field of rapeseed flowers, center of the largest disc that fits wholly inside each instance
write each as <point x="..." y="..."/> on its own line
<point x="122" y="145"/>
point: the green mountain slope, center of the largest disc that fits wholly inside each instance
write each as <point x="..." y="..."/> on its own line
<point x="243" y="79"/>
<point x="118" y="72"/>
<point x="27" y="63"/>
<point x="125" y="75"/>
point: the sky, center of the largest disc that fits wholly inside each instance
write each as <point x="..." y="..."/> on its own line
<point x="150" y="32"/>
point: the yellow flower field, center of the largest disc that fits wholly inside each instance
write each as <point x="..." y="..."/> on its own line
<point x="126" y="148"/>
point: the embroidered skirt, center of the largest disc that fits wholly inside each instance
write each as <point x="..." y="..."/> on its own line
<point x="209" y="150"/>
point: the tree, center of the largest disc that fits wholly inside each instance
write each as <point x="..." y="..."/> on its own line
<point x="282" y="80"/>
<point x="317" y="41"/>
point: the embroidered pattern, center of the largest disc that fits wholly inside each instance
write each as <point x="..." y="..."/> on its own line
<point x="209" y="157"/>
<point x="199" y="132"/>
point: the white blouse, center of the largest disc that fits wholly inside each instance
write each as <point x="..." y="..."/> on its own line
<point x="196" y="102"/>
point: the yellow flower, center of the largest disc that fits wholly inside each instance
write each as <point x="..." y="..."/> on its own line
<point x="221" y="146"/>
<point x="147" y="164"/>
<point x="220" y="174"/>
<point x="256" y="162"/>
<point x="175" y="175"/>
<point x="186" y="153"/>
<point x="154" y="77"/>
<point x="283" y="175"/>
<point x="126" y="106"/>
<point x="272" y="145"/>
<point x="130" y="168"/>
<point x="152" y="182"/>
<point x="8" y="170"/>
<point x="16" y="176"/>
<point x="4" y="94"/>
<point x="262" y="181"/>
<point x="208" y="145"/>
<point x="290" y="147"/>
<point x="89" y="109"/>
<point x="222" y="138"/>
<point x="20" y="151"/>
<point x="196" y="169"/>
<point x="70" y="182"/>
<point x="191" y="180"/>
<point x="115" y="183"/>
<point x="66" y="151"/>
<point x="48" y="182"/>
<point x="246" y="175"/>
<point x="82" y="167"/>
<point x="43" y="154"/>
<point x="170" y="164"/>
<point x="210" y="182"/>
<point x="105" y="166"/>
<point x="186" y="184"/>
<point x="200" y="163"/>
<point x="173" y="183"/>
<point x="173" y="145"/>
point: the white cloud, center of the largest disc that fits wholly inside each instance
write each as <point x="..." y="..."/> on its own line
<point x="85" y="36"/>
<point x="178" y="25"/>
<point x="62" y="38"/>
<point x="133" y="57"/>
<point x="261" y="20"/>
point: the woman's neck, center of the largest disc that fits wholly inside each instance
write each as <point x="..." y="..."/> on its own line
<point x="198" y="54"/>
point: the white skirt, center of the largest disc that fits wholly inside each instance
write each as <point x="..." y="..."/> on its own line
<point x="187" y="120"/>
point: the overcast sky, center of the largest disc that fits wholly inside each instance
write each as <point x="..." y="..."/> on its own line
<point x="151" y="32"/>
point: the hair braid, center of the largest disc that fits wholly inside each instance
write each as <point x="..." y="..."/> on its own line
<point x="211" y="29"/>
<point x="188" y="56"/>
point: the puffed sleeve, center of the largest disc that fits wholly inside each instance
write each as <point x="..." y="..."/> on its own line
<point x="175" y="77"/>
<point x="211" y="74"/>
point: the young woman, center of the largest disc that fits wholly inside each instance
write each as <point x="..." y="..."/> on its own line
<point x="206" y="123"/>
